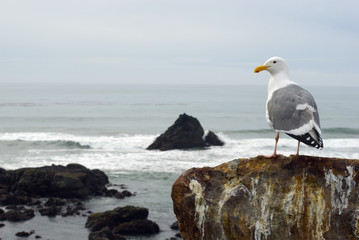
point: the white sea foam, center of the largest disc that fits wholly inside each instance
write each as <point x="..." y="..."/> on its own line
<point x="126" y="152"/>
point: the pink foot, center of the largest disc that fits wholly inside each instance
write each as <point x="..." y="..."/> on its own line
<point x="274" y="155"/>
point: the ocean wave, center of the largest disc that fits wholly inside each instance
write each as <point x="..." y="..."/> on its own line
<point x="57" y="144"/>
<point x="348" y="131"/>
<point x="125" y="152"/>
<point x="123" y="142"/>
<point x="332" y="132"/>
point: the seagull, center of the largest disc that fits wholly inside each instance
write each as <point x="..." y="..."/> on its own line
<point x="290" y="108"/>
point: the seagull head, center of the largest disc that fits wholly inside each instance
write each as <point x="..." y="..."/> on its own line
<point x="274" y="65"/>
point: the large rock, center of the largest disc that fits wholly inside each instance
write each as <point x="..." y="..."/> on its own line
<point x="71" y="181"/>
<point x="185" y="133"/>
<point x="296" y="197"/>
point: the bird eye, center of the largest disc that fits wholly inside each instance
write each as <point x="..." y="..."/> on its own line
<point x="274" y="62"/>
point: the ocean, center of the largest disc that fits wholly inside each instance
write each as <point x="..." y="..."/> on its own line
<point x="109" y="127"/>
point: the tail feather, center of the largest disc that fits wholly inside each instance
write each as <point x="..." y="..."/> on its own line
<point x="312" y="138"/>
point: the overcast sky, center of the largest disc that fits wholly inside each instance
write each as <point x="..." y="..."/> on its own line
<point x="177" y="41"/>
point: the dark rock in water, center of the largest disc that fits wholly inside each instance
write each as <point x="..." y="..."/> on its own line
<point x="10" y="198"/>
<point x="51" y="211"/>
<point x="212" y="139"/>
<point x="127" y="193"/>
<point x="185" y="133"/>
<point x="122" y="220"/>
<point x="135" y="227"/>
<point x="55" y="201"/>
<point x="18" y="215"/>
<point x="23" y="234"/>
<point x="105" y="234"/>
<point x="296" y="197"/>
<point x="114" y="217"/>
<point x="174" y="225"/>
<point x="71" y="181"/>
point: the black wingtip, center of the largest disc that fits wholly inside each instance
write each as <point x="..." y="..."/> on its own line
<point x="309" y="140"/>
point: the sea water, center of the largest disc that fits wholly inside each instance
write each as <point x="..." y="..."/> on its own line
<point x="109" y="127"/>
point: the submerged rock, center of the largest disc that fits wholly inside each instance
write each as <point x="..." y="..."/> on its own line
<point x="296" y="197"/>
<point x="185" y="133"/>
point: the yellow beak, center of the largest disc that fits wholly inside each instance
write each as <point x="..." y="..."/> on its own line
<point x="260" y="68"/>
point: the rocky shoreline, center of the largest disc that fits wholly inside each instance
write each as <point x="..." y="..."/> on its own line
<point x="61" y="191"/>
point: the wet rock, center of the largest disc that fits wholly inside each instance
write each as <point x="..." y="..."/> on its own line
<point x="19" y="215"/>
<point x="122" y="220"/>
<point x="2" y="217"/>
<point x="114" y="217"/>
<point x="212" y="139"/>
<point x="51" y="211"/>
<point x="174" y="225"/>
<point x="55" y="201"/>
<point x="105" y="234"/>
<point x="117" y="194"/>
<point x="33" y="202"/>
<point x="296" y="197"/>
<point x="11" y="198"/>
<point x="127" y="193"/>
<point x="111" y="192"/>
<point x="71" y="181"/>
<point x="73" y="210"/>
<point x="136" y="227"/>
<point x="24" y="234"/>
<point x="185" y="133"/>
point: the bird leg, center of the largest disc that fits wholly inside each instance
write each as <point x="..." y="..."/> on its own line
<point x="275" y="147"/>
<point x="298" y="148"/>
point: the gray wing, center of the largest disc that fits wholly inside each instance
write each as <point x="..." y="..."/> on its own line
<point x="283" y="112"/>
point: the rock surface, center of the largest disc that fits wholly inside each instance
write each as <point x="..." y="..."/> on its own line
<point x="128" y="220"/>
<point x="24" y="191"/>
<point x="296" y="197"/>
<point x="212" y="139"/>
<point x="105" y="234"/>
<point x="71" y="181"/>
<point x="185" y="133"/>
<point x="17" y="215"/>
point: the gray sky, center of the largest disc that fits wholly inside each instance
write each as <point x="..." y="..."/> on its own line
<point x="177" y="41"/>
